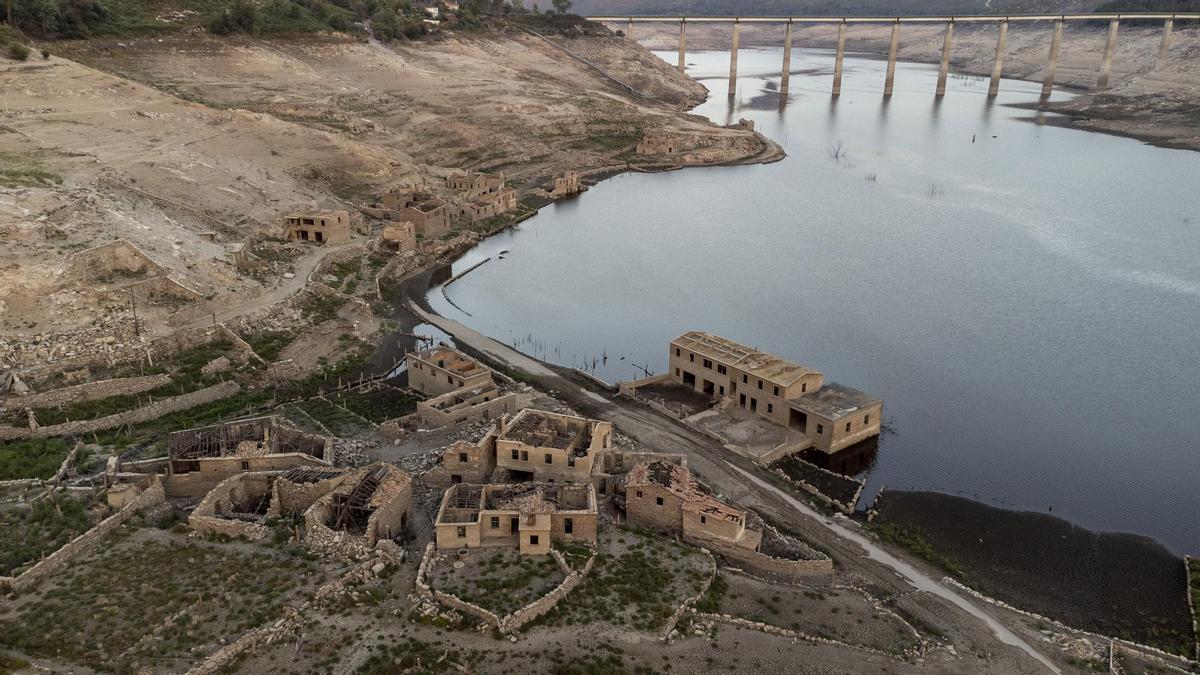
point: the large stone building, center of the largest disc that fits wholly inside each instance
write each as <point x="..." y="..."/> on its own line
<point x="473" y="184"/>
<point x="200" y="458"/>
<point x="657" y="143"/>
<point x="322" y="227"/>
<point x="540" y="445"/>
<point x="528" y="516"/>
<point x="830" y="415"/>
<point x="431" y="217"/>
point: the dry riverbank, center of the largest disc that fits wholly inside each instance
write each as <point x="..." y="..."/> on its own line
<point x="1160" y="106"/>
<point x="191" y="147"/>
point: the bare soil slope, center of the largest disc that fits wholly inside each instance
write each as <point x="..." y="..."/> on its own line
<point x="187" y="146"/>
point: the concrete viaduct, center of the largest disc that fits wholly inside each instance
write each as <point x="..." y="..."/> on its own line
<point x="1114" y="22"/>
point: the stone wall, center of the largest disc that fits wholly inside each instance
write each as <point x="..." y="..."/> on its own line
<point x="151" y="495"/>
<point x="207" y="517"/>
<point x="296" y="498"/>
<point x="780" y="569"/>
<point x="88" y="391"/>
<point x="549" y="601"/>
<point x="136" y="416"/>
<point x="689" y="603"/>
<point x="424" y="590"/>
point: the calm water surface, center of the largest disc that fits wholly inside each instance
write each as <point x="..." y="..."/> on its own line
<point x="1026" y="303"/>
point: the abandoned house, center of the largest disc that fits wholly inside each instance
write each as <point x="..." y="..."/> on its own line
<point x="240" y="504"/>
<point x="399" y="237"/>
<point x="198" y="459"/>
<point x="567" y="184"/>
<point x="430" y="217"/>
<point x="442" y="369"/>
<point x="666" y="496"/>
<point x="831" y="416"/>
<point x="480" y="403"/>
<point x="540" y="445"/>
<point x="370" y="504"/>
<point x="488" y="205"/>
<point x="611" y="467"/>
<point x="657" y="143"/>
<point x="322" y="227"/>
<point x="473" y="184"/>
<point x="527" y="515"/>
<point x="465" y="462"/>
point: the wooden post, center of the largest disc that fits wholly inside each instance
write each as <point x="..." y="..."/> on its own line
<point x="998" y="63"/>
<point x="944" y="68"/>
<point x="837" y="63"/>
<point x="1109" y="46"/>
<point x="787" y="60"/>
<point x="1052" y="60"/>
<point x="733" y="50"/>
<point x="1165" y="45"/>
<point x="891" y="65"/>
<point x="682" y="42"/>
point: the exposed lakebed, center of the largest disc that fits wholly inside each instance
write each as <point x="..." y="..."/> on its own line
<point x="1024" y="297"/>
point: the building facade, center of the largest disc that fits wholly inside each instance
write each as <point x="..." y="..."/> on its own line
<point x="443" y="369"/>
<point x="321" y="227"/>
<point x="527" y="516"/>
<point x="831" y="415"/>
<point x="540" y="445"/>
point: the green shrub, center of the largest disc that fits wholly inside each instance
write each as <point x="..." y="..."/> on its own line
<point x="18" y="51"/>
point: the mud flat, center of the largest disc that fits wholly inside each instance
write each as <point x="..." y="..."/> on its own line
<point x="1115" y="584"/>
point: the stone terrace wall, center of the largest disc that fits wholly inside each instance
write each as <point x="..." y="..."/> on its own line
<point x="796" y="571"/>
<point x="424" y="590"/>
<point x="151" y="495"/>
<point x="137" y="416"/>
<point x="88" y="391"/>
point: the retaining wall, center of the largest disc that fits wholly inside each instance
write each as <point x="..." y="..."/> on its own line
<point x="146" y="413"/>
<point x="88" y="391"/>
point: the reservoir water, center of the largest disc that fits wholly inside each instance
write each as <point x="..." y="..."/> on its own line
<point x="1024" y="297"/>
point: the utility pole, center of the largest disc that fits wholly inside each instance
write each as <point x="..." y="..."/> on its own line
<point x="133" y="302"/>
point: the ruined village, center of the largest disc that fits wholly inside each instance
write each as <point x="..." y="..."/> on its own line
<point x="233" y="437"/>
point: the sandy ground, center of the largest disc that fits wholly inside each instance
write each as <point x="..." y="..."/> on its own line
<point x="1158" y="105"/>
<point x="189" y="146"/>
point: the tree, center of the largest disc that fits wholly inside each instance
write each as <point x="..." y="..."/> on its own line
<point x="561" y="6"/>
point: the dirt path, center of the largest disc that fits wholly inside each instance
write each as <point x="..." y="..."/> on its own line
<point x="302" y="269"/>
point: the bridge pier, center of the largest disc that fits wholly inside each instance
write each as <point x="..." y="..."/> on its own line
<point x="733" y="50"/>
<point x="998" y="64"/>
<point x="944" y="68"/>
<point x="682" y="43"/>
<point x="891" y="66"/>
<point x="837" y="63"/>
<point x="1109" y="45"/>
<point x="1052" y="60"/>
<point x="1165" y="46"/>
<point x="787" y="60"/>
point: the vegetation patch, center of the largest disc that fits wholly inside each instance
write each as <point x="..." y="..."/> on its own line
<point x="339" y="421"/>
<point x="34" y="458"/>
<point x="378" y="405"/>
<point x="411" y="655"/>
<point x="155" y="599"/>
<point x="638" y="579"/>
<point x="500" y="580"/>
<point x="19" y="170"/>
<point x="29" y="533"/>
